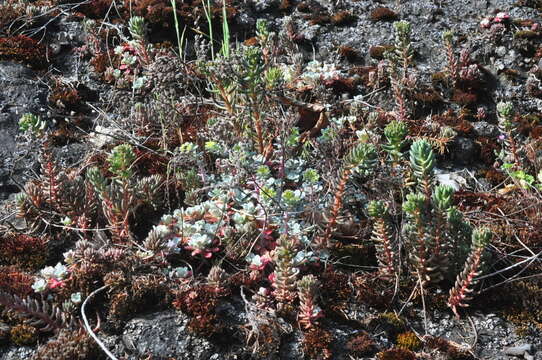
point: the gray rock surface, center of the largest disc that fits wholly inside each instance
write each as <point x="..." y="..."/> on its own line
<point x="483" y="128"/>
<point x="464" y="150"/>
<point x="16" y="353"/>
<point x="21" y="93"/>
<point x="165" y="334"/>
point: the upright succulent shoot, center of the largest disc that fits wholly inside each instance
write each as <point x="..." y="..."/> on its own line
<point x="382" y="236"/>
<point x="309" y="312"/>
<point x="361" y="159"/>
<point x="285" y="272"/>
<point x="120" y="161"/>
<point x="136" y="26"/>
<point x="459" y="294"/>
<point x="395" y="133"/>
<point x="422" y="161"/>
<point x="505" y="114"/>
<point x="403" y="50"/>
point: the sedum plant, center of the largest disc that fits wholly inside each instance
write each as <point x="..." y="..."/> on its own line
<point x="309" y="311"/>
<point x="434" y="226"/>
<point x="285" y="275"/>
<point x="361" y="159"/>
<point x="422" y="162"/>
<point x="512" y="154"/>
<point x="56" y="197"/>
<point x="460" y="293"/>
<point x="246" y="78"/>
<point x="402" y="55"/>
<point x="436" y="238"/>
<point x="124" y="193"/>
<point x="383" y="238"/>
<point x="32" y="123"/>
<point x="395" y="133"/>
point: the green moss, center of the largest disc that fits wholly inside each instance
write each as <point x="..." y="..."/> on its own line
<point x="24" y="335"/>
<point x="526" y="34"/>
<point x="408" y="341"/>
<point x="439" y="78"/>
<point x="391" y="324"/>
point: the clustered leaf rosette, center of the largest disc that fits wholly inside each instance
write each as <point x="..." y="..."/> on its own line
<point x="257" y="262"/>
<point x="120" y="161"/>
<point x="500" y="18"/>
<point x="195" y="228"/>
<point x="181" y="272"/>
<point x="128" y="58"/>
<point x="316" y="73"/>
<point x="395" y="133"/>
<point x="31" y="123"/>
<point x="50" y="278"/>
<point x="422" y="159"/>
<point x="201" y="244"/>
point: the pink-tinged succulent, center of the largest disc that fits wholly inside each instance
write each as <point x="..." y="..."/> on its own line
<point x="201" y="244"/>
<point x="206" y="253"/>
<point x="481" y="114"/>
<point x="264" y="291"/>
<point x="501" y="17"/>
<point x="257" y="262"/>
<point x="54" y="283"/>
<point x="486" y="23"/>
<point x="267" y="234"/>
<point x="309" y="311"/>
<point x="309" y="314"/>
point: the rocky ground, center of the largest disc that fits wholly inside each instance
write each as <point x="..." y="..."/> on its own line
<point x="509" y="63"/>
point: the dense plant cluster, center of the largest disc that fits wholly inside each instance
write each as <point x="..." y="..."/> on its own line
<point x="234" y="178"/>
<point x="24" y="49"/>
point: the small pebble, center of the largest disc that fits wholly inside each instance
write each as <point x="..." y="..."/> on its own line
<point x="518" y="350"/>
<point x="501" y="51"/>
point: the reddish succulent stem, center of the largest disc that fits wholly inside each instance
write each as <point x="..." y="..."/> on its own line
<point x="307" y="316"/>
<point x="401" y="104"/>
<point x="337" y="205"/>
<point x="421" y="251"/>
<point x="258" y="126"/>
<point x="452" y="63"/>
<point x="384" y="238"/>
<point x="459" y="293"/>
